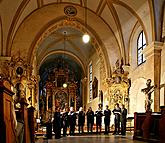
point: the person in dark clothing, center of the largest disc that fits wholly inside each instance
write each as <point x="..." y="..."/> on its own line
<point x="90" y="119"/>
<point x="57" y="123"/>
<point x="117" y="113"/>
<point x="98" y="115"/>
<point x="72" y="120"/>
<point x="123" y="120"/>
<point x="49" y="129"/>
<point x="65" y="123"/>
<point x="107" y="114"/>
<point x="81" y="120"/>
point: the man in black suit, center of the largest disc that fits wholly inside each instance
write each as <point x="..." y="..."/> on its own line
<point x="107" y="114"/>
<point x="72" y="120"/>
<point x="57" y="123"/>
<point x="65" y="122"/>
<point x="90" y="119"/>
<point x="98" y="115"/>
<point x="123" y="119"/>
<point x="81" y="120"/>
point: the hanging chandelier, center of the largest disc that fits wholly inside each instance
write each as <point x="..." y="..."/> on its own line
<point x="86" y="37"/>
<point x="65" y="83"/>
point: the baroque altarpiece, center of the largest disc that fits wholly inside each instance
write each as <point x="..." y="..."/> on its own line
<point x="118" y="86"/>
<point x="56" y="94"/>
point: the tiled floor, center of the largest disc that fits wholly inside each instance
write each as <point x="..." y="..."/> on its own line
<point x="92" y="139"/>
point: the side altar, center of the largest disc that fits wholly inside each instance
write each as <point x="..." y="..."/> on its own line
<point x="118" y="86"/>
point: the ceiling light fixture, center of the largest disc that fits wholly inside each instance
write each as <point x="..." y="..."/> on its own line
<point x="86" y="37"/>
<point x="64" y="84"/>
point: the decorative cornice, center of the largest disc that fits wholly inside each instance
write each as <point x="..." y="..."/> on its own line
<point x="153" y="49"/>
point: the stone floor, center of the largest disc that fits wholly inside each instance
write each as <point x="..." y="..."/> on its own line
<point x="91" y="139"/>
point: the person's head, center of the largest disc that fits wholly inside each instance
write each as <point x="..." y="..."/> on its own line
<point x="106" y="106"/>
<point x="122" y="106"/>
<point x="67" y="109"/>
<point x="117" y="105"/>
<point x="57" y="109"/>
<point x="71" y="109"/>
<point x="80" y="109"/>
<point x="148" y="82"/>
<point x="90" y="109"/>
<point x="99" y="106"/>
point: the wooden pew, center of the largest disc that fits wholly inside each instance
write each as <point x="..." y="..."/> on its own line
<point x="141" y="122"/>
<point x="7" y="120"/>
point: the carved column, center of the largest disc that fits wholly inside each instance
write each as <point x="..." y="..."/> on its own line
<point x="153" y="57"/>
<point x="53" y="101"/>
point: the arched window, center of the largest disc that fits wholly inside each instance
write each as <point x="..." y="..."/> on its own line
<point x="141" y="44"/>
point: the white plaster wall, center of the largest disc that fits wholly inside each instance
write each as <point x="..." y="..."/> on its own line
<point x="8" y="9"/>
<point x="137" y="98"/>
<point x="96" y="73"/>
<point x="133" y="47"/>
<point x="144" y="13"/>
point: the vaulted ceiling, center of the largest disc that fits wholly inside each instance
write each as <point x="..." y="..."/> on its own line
<point x="35" y="27"/>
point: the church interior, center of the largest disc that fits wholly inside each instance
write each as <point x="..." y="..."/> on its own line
<point x="46" y="63"/>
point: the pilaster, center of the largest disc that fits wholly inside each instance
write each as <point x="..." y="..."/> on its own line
<point x="153" y="64"/>
<point x="84" y="91"/>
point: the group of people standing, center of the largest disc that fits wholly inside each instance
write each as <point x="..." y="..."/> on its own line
<point x="67" y="119"/>
<point x="120" y="117"/>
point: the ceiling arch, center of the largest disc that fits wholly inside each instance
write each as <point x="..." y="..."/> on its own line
<point x="57" y="61"/>
<point x="28" y="19"/>
<point x="69" y="55"/>
<point x="107" y="36"/>
<point x="1" y="37"/>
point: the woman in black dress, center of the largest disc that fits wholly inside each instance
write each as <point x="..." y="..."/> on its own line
<point x="81" y="120"/>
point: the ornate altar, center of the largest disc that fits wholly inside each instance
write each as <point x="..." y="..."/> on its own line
<point x="57" y="95"/>
<point x="118" y="86"/>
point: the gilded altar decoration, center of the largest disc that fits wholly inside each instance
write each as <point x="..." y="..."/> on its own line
<point x="118" y="86"/>
<point x="23" y="81"/>
<point x="56" y="94"/>
<point x="4" y="68"/>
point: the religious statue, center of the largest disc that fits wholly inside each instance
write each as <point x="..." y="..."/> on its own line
<point x="95" y="87"/>
<point x="20" y="93"/>
<point x="101" y="97"/>
<point x="119" y="67"/>
<point x="147" y="91"/>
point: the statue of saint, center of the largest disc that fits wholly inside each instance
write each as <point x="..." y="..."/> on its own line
<point x="95" y="87"/>
<point x="119" y="67"/>
<point x="101" y="97"/>
<point x="147" y="91"/>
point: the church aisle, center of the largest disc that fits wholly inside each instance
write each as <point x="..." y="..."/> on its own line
<point x="92" y="139"/>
